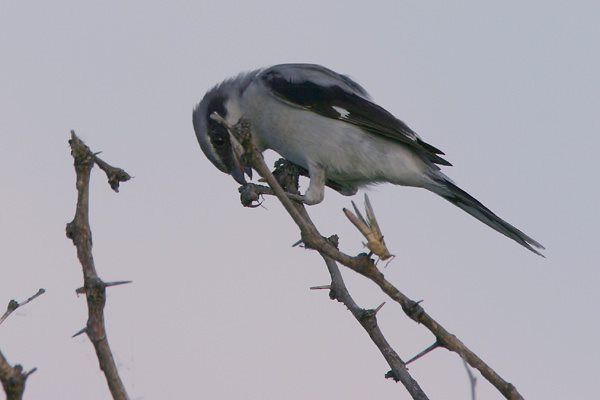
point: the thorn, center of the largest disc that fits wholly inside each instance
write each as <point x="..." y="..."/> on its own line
<point x="320" y="287"/>
<point x="84" y="330"/>
<point x="414" y="310"/>
<point x="379" y="307"/>
<point x="31" y="371"/>
<point x="434" y="346"/>
<point x="81" y="290"/>
<point x="298" y="243"/>
<point x="116" y="283"/>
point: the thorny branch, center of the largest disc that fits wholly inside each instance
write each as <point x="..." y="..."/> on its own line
<point x="287" y="178"/>
<point x="80" y="233"/>
<point x="364" y="266"/>
<point x="13" y="378"/>
<point x="368" y="320"/>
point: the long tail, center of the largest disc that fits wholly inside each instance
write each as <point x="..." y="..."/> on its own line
<point x="455" y="195"/>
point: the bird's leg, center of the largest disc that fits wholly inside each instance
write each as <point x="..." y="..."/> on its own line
<point x="316" y="188"/>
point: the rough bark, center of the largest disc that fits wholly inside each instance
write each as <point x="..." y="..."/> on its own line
<point x="94" y="288"/>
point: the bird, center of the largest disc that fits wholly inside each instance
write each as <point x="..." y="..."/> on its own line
<point x="328" y="124"/>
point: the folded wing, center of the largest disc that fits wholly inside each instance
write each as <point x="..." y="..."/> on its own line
<point x="336" y="96"/>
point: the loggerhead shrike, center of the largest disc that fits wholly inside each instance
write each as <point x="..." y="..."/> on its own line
<point x="328" y="124"/>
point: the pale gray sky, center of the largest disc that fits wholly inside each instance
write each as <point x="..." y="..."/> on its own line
<point x="220" y="306"/>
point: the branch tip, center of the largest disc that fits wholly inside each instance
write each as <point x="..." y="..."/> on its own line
<point x="14" y="304"/>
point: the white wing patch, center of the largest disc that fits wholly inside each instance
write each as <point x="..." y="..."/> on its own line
<point x="342" y="111"/>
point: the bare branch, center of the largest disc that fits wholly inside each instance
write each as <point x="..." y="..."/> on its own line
<point x="13" y="304"/>
<point x="80" y="233"/>
<point x="363" y="265"/>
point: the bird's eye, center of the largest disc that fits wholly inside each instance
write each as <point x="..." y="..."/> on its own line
<point x="219" y="141"/>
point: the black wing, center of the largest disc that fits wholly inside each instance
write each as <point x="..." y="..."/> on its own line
<point x="327" y="93"/>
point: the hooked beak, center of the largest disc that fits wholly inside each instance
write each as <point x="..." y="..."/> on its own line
<point x="238" y="175"/>
<point x="239" y="170"/>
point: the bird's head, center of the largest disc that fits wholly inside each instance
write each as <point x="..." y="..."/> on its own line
<point x="213" y="136"/>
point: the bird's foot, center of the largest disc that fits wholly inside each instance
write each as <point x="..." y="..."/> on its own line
<point x="304" y="199"/>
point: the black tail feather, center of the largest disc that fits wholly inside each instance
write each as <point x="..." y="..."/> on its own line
<point x="455" y="195"/>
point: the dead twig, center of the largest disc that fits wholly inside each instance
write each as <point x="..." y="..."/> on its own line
<point x="13" y="304"/>
<point x="79" y="231"/>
